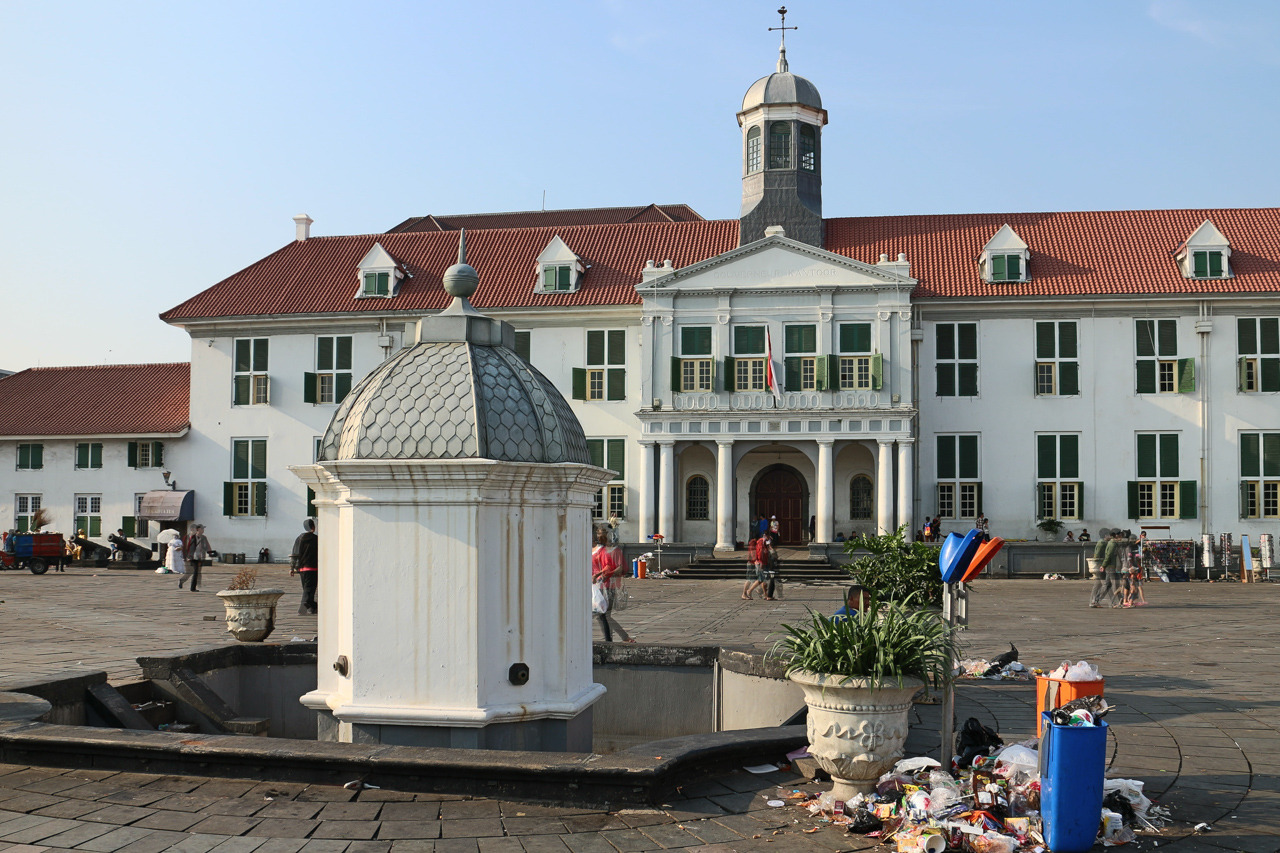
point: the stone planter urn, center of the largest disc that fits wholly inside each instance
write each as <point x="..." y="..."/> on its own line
<point x="856" y="733"/>
<point x="1095" y="566"/>
<point x="251" y="613"/>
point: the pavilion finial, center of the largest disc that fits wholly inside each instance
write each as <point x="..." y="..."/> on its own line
<point x="782" y="49"/>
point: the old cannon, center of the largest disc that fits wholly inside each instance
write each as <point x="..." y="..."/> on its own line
<point x="131" y="551"/>
<point x="91" y="551"/>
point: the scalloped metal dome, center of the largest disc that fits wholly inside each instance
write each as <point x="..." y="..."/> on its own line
<point x="455" y="400"/>
<point x="782" y="87"/>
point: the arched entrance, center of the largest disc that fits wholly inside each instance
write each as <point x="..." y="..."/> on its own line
<point x="780" y="490"/>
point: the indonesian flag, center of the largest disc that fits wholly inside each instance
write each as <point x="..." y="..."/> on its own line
<point x="771" y="375"/>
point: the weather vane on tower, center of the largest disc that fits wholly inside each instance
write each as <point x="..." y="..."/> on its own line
<point x="782" y="49"/>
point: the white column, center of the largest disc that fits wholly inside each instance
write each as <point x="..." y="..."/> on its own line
<point x="826" y="506"/>
<point x="884" y="487"/>
<point x="724" y="495"/>
<point x="644" y="492"/>
<point x="667" y="490"/>
<point x="905" y="508"/>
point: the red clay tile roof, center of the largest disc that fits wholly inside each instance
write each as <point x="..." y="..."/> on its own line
<point x="107" y="399"/>
<point x="551" y="218"/>
<point x="319" y="275"/>
<point x="1072" y="254"/>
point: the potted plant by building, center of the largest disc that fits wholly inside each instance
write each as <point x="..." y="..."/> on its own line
<point x="859" y="675"/>
<point x="251" y="612"/>
<point x="893" y="569"/>
<point x="1051" y="526"/>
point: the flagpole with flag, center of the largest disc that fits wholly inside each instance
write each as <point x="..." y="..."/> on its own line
<point x="771" y="375"/>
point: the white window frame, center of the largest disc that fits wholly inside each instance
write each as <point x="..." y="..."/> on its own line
<point x="25" y="506"/>
<point x="243" y="486"/>
<point x="750" y="371"/>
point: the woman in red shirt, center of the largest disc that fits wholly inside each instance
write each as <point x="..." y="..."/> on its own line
<point x="607" y="570"/>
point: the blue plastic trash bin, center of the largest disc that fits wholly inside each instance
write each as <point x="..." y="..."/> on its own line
<point x="1073" y="764"/>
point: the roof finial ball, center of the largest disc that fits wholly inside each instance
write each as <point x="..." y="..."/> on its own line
<point x="461" y="279"/>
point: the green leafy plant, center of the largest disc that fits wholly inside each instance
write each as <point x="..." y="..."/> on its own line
<point x="894" y="569"/>
<point x="1051" y="526"/>
<point x="891" y="641"/>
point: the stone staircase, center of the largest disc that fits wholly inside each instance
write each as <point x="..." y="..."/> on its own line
<point x="795" y="568"/>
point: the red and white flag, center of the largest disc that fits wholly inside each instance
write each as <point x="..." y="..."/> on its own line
<point x="771" y="375"/>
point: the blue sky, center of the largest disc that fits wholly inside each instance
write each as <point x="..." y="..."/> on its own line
<point x="153" y="148"/>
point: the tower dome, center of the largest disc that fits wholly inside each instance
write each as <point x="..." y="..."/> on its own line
<point x="782" y="87"/>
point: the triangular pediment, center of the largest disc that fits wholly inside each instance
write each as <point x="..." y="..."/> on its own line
<point x="557" y="251"/>
<point x="779" y="263"/>
<point x="1207" y="235"/>
<point x="1005" y="240"/>
<point x="377" y="258"/>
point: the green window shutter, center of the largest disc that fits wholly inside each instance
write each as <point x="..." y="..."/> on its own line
<point x="157" y="454"/>
<point x="259" y="498"/>
<point x="131" y="453"/>
<point x="24" y="456"/>
<point x="800" y="339"/>
<point x="945" y="338"/>
<point x="1215" y="265"/>
<point x="967" y="340"/>
<point x="968" y="380"/>
<point x="341" y="387"/>
<point x="997" y="268"/>
<point x="1168" y="337"/>
<point x="617" y="339"/>
<point x="129" y="525"/>
<point x="1080" y="500"/>
<point x="677" y="374"/>
<point x="37" y="456"/>
<point x="1146" y="370"/>
<point x="1145" y="337"/>
<point x="1069" y="456"/>
<point x="1168" y="455"/>
<point x="244" y="360"/>
<point x="22" y="524"/>
<point x="309" y="385"/>
<point x="1147" y="456"/>
<point x="946" y="457"/>
<point x="730" y="374"/>
<point x="1035" y="379"/>
<point x="977" y="497"/>
<point x="695" y="340"/>
<point x="617" y="461"/>
<point x="1014" y="268"/>
<point x="259" y="355"/>
<point x="82" y="523"/>
<point x="1200" y="264"/>
<point x="595" y="450"/>
<point x="1246" y="336"/>
<point x="820" y="372"/>
<point x="240" y="460"/>
<point x="1271" y="454"/>
<point x="791" y="373"/>
<point x="1069" y="378"/>
<point x="95" y="455"/>
<point x="82" y="456"/>
<point x="1067" y="340"/>
<point x="1269" y="370"/>
<point x="967" y="453"/>
<point x="615" y="384"/>
<point x="1133" y="499"/>
<point x="311" y="502"/>
<point x="1046" y="340"/>
<point x="384" y="284"/>
<point x="1250" y="455"/>
<point x="1270" y="337"/>
<point x="946" y="380"/>
<point x="258" y="459"/>
<point x="522" y="345"/>
<point x="324" y="353"/>
<point x="855" y="337"/>
<point x="1186" y="375"/>
<point x="95" y="525"/>
<point x="877" y="372"/>
<point x="1244" y="500"/>
<point x="240" y="391"/>
<point x="1187" y="499"/>
<point x="342" y="359"/>
<point x="549" y="278"/>
<point x="579" y="391"/>
<point x="1241" y="371"/>
<point x="595" y="349"/>
<point x="748" y="340"/>
<point x="564" y="279"/>
<point x="1047" y="457"/>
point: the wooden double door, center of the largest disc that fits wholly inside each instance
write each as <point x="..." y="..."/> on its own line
<point x="781" y="491"/>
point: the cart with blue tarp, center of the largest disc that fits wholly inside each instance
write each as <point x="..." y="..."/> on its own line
<point x="33" y="551"/>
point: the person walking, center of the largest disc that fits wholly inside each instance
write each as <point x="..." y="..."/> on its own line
<point x="304" y="562"/>
<point x="769" y="568"/>
<point x="196" y="550"/>
<point x="753" y="568"/>
<point x="1107" y="586"/>
<point x="607" y="571"/>
<point x="174" y="563"/>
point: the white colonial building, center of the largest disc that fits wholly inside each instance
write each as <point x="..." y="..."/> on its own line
<point x="1107" y="368"/>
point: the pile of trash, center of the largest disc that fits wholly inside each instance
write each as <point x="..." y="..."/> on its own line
<point x="993" y="806"/>
<point x="1081" y="670"/>
<point x="1005" y="667"/>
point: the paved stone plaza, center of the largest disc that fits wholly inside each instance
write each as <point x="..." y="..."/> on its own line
<point x="1195" y="675"/>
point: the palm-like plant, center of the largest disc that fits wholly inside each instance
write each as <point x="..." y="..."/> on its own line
<point x="895" y="569"/>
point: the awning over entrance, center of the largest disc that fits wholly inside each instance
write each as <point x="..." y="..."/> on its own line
<point x="168" y="505"/>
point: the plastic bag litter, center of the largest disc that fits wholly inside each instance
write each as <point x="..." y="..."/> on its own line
<point x="1131" y="790"/>
<point x="944" y="792"/>
<point x="993" y="842"/>
<point x="1016" y="759"/>
<point x="1081" y="670"/>
<point x="911" y="765"/>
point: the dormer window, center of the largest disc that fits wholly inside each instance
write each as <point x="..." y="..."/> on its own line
<point x="1205" y="254"/>
<point x="379" y="274"/>
<point x="559" y="269"/>
<point x="1005" y="257"/>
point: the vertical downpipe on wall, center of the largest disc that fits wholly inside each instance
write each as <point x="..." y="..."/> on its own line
<point x="917" y="337"/>
<point x="1203" y="327"/>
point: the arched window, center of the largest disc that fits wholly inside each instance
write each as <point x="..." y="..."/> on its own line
<point x="779" y="145"/>
<point x="697" y="499"/>
<point x="808" y="148"/>
<point x="860" y="506"/>
<point x="753" y="150"/>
